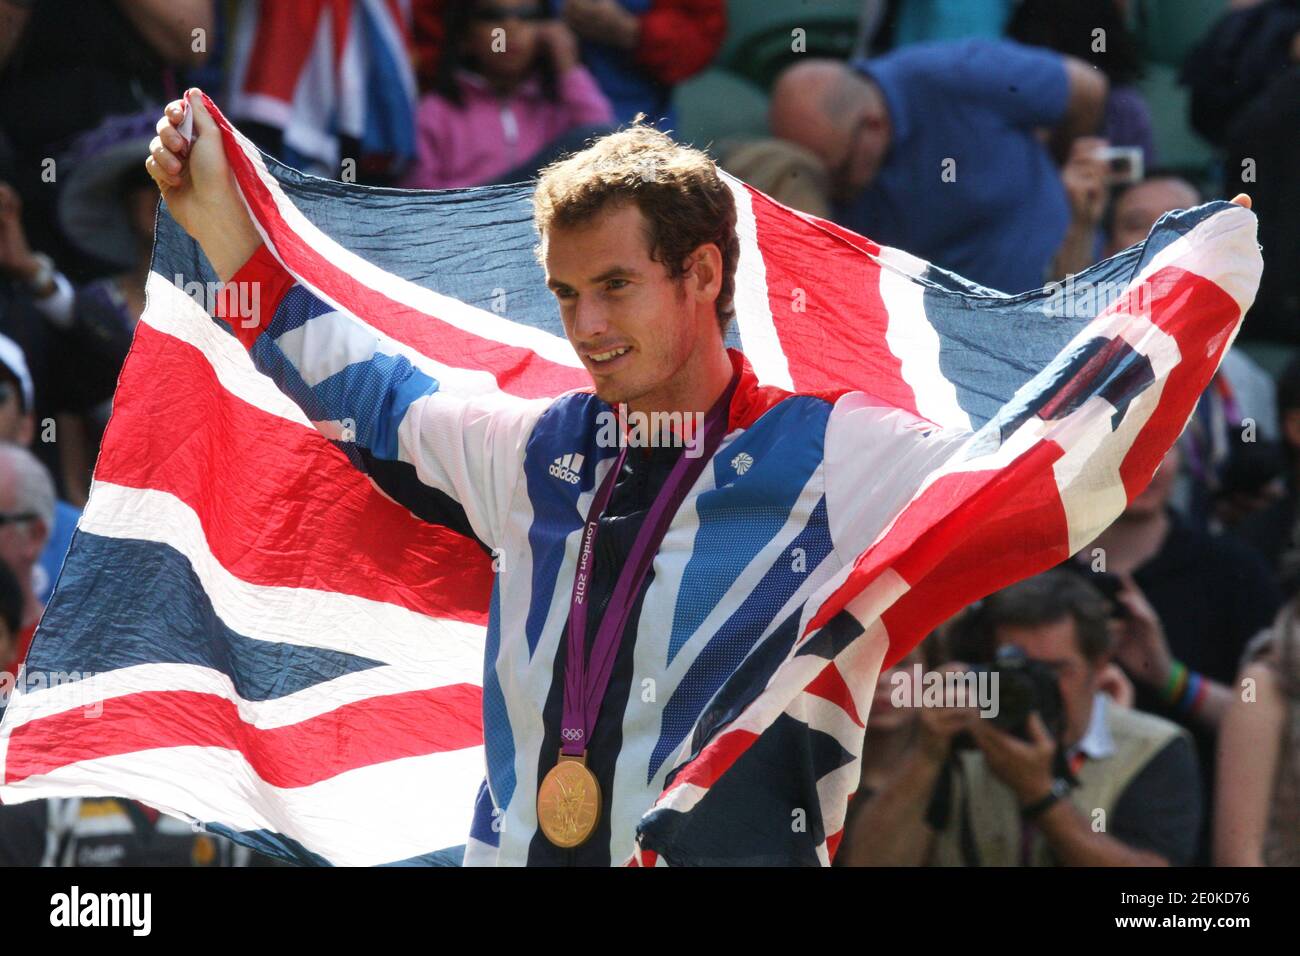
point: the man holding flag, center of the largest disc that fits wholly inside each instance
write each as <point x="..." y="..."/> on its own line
<point x="683" y="640"/>
<point x="647" y="318"/>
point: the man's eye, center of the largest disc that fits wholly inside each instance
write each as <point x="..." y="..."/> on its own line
<point x="563" y="293"/>
<point x="613" y="284"/>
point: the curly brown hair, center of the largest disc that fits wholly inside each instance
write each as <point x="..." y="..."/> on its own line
<point x="677" y="188"/>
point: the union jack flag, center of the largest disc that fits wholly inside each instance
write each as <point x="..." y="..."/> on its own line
<point x="258" y="630"/>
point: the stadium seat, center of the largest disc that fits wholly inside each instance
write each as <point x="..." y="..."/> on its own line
<point x="1178" y="146"/>
<point x="716" y="105"/>
<point x="1168" y="29"/>
<point x="759" y="34"/>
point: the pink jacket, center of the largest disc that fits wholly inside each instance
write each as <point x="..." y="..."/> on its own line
<point x="477" y="143"/>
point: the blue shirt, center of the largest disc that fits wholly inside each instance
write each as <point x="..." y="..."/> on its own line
<point x="1003" y="215"/>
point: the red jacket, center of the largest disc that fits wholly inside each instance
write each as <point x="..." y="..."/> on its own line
<point x="679" y="38"/>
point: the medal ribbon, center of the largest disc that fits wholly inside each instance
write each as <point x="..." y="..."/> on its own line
<point x="584" y="688"/>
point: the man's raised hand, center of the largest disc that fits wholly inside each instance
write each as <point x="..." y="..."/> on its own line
<point x="196" y="181"/>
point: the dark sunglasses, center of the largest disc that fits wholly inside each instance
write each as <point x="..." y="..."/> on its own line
<point x="501" y="14"/>
<point x="7" y="391"/>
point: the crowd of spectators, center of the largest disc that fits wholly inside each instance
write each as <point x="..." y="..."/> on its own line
<point x="1014" y="142"/>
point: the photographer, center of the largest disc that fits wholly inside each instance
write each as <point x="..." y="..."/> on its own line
<point x="1107" y="786"/>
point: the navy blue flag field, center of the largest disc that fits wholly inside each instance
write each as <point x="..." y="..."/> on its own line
<point x="263" y="627"/>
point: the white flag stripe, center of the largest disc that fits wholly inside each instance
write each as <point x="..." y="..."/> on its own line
<point x="433" y="797"/>
<point x="753" y="310"/>
<point x="90" y="693"/>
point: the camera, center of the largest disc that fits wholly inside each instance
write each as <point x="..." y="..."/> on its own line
<point x="1023" y="686"/>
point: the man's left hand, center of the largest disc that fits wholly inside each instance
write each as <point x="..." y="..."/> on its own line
<point x="1024" y="766"/>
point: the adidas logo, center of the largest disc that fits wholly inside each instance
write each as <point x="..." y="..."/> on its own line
<point x="568" y="467"/>
<point x="742" y="463"/>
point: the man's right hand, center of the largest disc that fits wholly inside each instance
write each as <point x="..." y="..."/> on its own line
<point x="196" y="181"/>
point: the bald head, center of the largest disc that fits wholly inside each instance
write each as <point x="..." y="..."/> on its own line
<point x="1138" y="207"/>
<point x="836" y="113"/>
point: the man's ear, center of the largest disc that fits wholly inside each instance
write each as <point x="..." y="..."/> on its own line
<point x="705" y="272"/>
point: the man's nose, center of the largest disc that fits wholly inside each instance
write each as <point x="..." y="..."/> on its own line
<point x="589" y="320"/>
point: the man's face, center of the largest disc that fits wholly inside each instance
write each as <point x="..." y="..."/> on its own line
<point x="633" y="327"/>
<point x="1057" y="646"/>
<point x="1140" y="206"/>
<point x="19" y="547"/>
<point x="15" y="424"/>
<point x="858" y="154"/>
<point x="502" y="38"/>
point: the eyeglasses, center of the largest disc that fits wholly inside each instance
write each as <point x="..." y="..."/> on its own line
<point x="501" y="14"/>
<point x="16" y="517"/>
<point x="7" y="391"/>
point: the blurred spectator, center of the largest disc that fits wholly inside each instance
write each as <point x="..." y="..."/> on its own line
<point x="1189" y="602"/>
<point x="107" y="209"/>
<point x="510" y="96"/>
<point x="1245" y="85"/>
<point x="72" y="62"/>
<point x="1257" y="821"/>
<point x="73" y="356"/>
<point x="938" y="149"/>
<point x="16" y="427"/>
<point x="11" y="617"/>
<point x="1095" y="33"/>
<point x="1134" y="208"/>
<point x="638" y="50"/>
<point x="107" y="831"/>
<point x="1275" y="530"/>
<point x="26" y="517"/>
<point x="1030" y="797"/>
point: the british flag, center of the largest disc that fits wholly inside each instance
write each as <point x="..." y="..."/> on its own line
<point x="252" y="633"/>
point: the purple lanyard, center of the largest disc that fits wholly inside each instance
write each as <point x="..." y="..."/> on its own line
<point x="584" y="690"/>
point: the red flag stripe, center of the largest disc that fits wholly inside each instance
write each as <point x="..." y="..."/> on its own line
<point x="359" y="734"/>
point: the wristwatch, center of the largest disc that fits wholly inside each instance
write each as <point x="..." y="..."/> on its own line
<point x="1060" y="789"/>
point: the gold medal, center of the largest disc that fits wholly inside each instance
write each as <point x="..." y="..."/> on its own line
<point x="568" y="802"/>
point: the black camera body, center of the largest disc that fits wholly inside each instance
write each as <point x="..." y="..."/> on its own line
<point x="1023" y="686"/>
